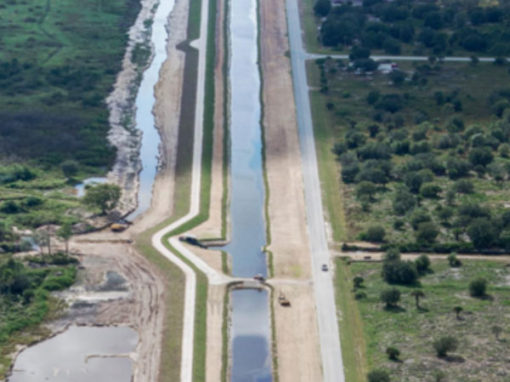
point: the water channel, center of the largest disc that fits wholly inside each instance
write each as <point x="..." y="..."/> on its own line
<point x="84" y="354"/>
<point x="251" y="330"/>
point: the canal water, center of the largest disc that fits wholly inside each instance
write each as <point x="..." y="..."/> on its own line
<point x="80" y="354"/>
<point x="144" y="104"/>
<point x="251" y="330"/>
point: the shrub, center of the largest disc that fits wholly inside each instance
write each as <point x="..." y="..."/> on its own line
<point x="378" y="376"/>
<point x="360" y="295"/>
<point x="422" y="264"/>
<point x="482" y="233"/>
<point x="454" y="261"/>
<point x="399" y="272"/>
<point x="390" y="297"/>
<point x="430" y="191"/>
<point x="427" y="233"/>
<point x="375" y="234"/>
<point x="464" y="186"/>
<point x="393" y="353"/>
<point x="445" y="344"/>
<point x="478" y="287"/>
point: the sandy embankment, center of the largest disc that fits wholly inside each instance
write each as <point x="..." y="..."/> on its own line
<point x="296" y="327"/>
<point x="121" y="105"/>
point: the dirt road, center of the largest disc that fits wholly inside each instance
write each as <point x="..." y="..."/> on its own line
<point x="296" y="327"/>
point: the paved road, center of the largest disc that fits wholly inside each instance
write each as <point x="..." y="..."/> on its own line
<point x="313" y="56"/>
<point x="332" y="363"/>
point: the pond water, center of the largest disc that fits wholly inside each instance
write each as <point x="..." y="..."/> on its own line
<point x="80" y="187"/>
<point x="80" y="354"/>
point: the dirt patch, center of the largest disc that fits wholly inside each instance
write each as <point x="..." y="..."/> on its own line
<point x="296" y="327"/>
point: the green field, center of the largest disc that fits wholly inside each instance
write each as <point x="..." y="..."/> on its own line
<point x="481" y="356"/>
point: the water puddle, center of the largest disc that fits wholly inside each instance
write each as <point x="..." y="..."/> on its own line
<point x="250" y="331"/>
<point x="80" y="354"/>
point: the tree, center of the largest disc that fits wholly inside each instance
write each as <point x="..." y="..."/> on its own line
<point x="417" y="294"/>
<point x="390" y="297"/>
<point x="393" y="353"/>
<point x="378" y="376"/>
<point x="375" y="234"/>
<point x="43" y="239"/>
<point x="65" y="232"/>
<point x="422" y="264"/>
<point x="427" y="233"/>
<point x="482" y="233"/>
<point x="69" y="168"/>
<point x="359" y="53"/>
<point x="444" y="345"/>
<point x="430" y="191"/>
<point x="403" y="201"/>
<point x="357" y="282"/>
<point x="103" y="196"/>
<point x="399" y="272"/>
<point x="480" y="156"/>
<point x="458" y="310"/>
<point x="366" y="189"/>
<point x="322" y="8"/>
<point x="478" y="287"/>
<point x="392" y="254"/>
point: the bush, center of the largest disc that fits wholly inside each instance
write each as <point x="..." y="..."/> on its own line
<point x="427" y="233"/>
<point x="399" y="272"/>
<point x="390" y="297"/>
<point x="478" y="287"/>
<point x="454" y="261"/>
<point x="464" y="186"/>
<point x="393" y="353"/>
<point x="360" y="295"/>
<point x="430" y="191"/>
<point x="378" y="376"/>
<point x="445" y="344"/>
<point x="375" y="234"/>
<point x="422" y="264"/>
<point x="482" y="233"/>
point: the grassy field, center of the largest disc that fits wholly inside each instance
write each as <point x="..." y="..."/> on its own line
<point x="480" y="355"/>
<point x="430" y="104"/>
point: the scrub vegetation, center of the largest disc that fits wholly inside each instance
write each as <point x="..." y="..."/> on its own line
<point x="445" y="334"/>
<point x="58" y="62"/>
<point x="423" y="152"/>
<point x="415" y="27"/>
<point x="25" y="299"/>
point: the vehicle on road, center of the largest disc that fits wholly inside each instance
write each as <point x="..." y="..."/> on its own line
<point x="324" y="267"/>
